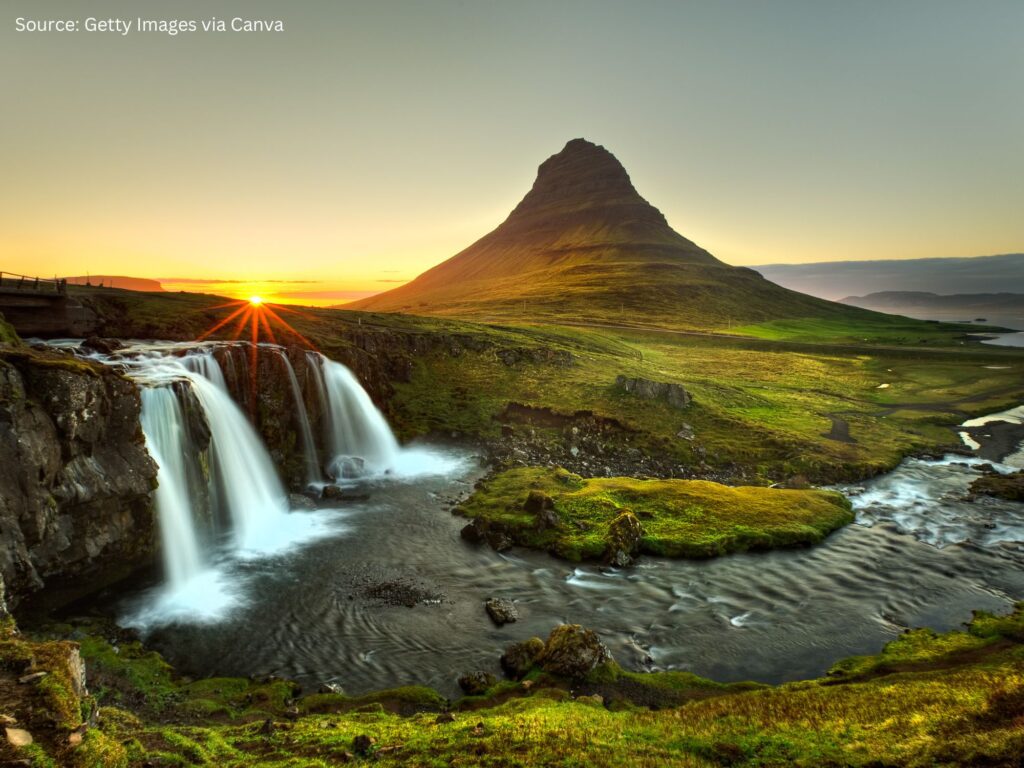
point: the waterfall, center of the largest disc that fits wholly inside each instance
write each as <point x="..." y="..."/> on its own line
<point x="167" y="441"/>
<point x="355" y="431"/>
<point x="206" y="365"/>
<point x="232" y="479"/>
<point x="302" y="417"/>
<point x="246" y="481"/>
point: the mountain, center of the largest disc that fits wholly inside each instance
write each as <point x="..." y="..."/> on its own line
<point x="584" y="245"/>
<point x="118" y="281"/>
<point x="998" y="308"/>
<point x="833" y="279"/>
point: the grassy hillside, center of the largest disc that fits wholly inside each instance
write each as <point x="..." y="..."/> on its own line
<point x="925" y="700"/>
<point x="763" y="408"/>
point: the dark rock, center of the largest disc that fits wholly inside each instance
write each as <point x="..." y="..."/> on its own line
<point x="103" y="346"/>
<point x="501" y="610"/>
<point x="479" y="531"/>
<point x="362" y="744"/>
<point x="624" y="535"/>
<point x="444" y="717"/>
<point x="76" y="481"/>
<point x="1009" y="487"/>
<point x="519" y="658"/>
<point x="347" y="468"/>
<point x="538" y="501"/>
<point x="572" y="651"/>
<point x="674" y="394"/>
<point x="475" y="531"/>
<point x="476" y="683"/>
<point x="548" y="518"/>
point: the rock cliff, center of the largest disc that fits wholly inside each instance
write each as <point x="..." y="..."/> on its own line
<point x="75" y="478"/>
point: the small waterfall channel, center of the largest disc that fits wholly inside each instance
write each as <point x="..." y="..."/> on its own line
<point x="218" y="489"/>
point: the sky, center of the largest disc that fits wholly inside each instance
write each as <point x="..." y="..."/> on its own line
<point x="371" y="140"/>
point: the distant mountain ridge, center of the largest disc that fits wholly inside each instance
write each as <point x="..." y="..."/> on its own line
<point x="118" y="281"/>
<point x="584" y="245"/>
<point x="967" y="275"/>
<point x="1003" y="309"/>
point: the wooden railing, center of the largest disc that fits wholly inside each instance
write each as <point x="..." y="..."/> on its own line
<point x="9" y="281"/>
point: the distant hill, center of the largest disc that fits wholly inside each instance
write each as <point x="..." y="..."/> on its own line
<point x="584" y="245"/>
<point x="996" y="308"/>
<point x="834" y="279"/>
<point x="118" y="281"/>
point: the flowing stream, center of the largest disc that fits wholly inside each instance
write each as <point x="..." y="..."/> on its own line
<point x="381" y="591"/>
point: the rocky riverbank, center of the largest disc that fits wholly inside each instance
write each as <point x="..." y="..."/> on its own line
<point x="75" y="479"/>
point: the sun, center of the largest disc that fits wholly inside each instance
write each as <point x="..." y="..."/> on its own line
<point x="255" y="300"/>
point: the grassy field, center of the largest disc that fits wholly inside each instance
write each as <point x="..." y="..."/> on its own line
<point x="926" y="700"/>
<point x="678" y="518"/>
<point x="818" y="400"/>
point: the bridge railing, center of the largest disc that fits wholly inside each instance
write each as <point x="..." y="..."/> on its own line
<point x="12" y="281"/>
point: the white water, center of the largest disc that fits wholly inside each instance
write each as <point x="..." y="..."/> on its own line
<point x="353" y="427"/>
<point x="205" y="577"/>
<point x="243" y="476"/>
<point x="163" y="426"/>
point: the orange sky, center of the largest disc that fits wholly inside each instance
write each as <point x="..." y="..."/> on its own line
<point x="370" y="141"/>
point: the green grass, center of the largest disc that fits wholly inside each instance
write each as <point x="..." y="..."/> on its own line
<point x="927" y="699"/>
<point x="875" y="328"/>
<point x="680" y="518"/>
<point x="762" y="409"/>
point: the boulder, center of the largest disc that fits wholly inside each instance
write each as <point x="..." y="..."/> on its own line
<point x="501" y="610"/>
<point x="572" y="651"/>
<point x="674" y="394"/>
<point x="480" y="531"/>
<point x="1009" y="487"/>
<point x="624" y="535"/>
<point x="538" y="501"/>
<point x="520" y="657"/>
<point x="476" y="683"/>
<point x="103" y="346"/>
<point x="347" y="468"/>
<point x="362" y="744"/>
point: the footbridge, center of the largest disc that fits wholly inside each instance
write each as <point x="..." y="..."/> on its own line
<point x="40" y="306"/>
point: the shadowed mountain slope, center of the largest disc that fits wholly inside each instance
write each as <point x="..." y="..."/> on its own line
<point x="584" y="245"/>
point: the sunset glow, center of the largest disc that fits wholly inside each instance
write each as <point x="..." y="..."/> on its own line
<point x="255" y="300"/>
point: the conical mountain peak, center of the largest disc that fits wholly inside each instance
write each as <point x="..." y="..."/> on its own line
<point x="585" y="176"/>
<point x="584" y="245"/>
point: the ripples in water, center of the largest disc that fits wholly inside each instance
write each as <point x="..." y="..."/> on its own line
<point x="769" y="616"/>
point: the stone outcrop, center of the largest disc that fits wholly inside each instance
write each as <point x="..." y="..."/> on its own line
<point x="624" y="535"/>
<point x="572" y="651"/>
<point x="75" y="478"/>
<point x="673" y="394"/>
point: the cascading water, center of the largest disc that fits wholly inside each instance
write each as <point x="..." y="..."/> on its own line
<point x="163" y="426"/>
<point x="240" y="468"/>
<point x="214" y="469"/>
<point x="353" y="426"/>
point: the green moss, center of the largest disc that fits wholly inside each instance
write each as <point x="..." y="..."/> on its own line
<point x="7" y="333"/>
<point x="680" y="518"/>
<point x="927" y="699"/>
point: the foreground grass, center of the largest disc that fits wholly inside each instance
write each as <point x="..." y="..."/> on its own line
<point x="679" y="518"/>
<point x="927" y="699"/>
